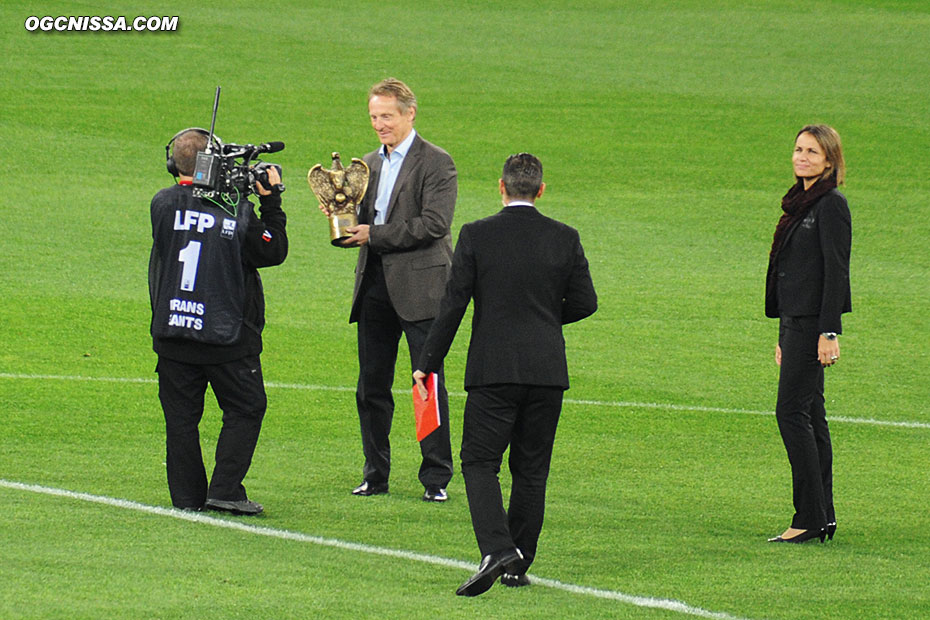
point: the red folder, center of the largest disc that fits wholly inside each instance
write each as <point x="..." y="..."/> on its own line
<point x="426" y="411"/>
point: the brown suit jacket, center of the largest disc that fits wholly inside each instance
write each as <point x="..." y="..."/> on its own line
<point x="415" y="242"/>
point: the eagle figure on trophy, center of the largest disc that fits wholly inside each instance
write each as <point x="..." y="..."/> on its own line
<point x="340" y="190"/>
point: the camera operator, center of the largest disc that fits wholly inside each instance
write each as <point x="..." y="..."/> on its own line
<point x="208" y="311"/>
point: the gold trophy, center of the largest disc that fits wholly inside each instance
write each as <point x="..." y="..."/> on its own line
<point x="340" y="190"/>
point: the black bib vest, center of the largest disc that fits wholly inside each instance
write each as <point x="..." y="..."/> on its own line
<point x="197" y="282"/>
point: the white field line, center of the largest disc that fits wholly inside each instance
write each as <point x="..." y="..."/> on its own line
<point x="570" y="401"/>
<point x="236" y="524"/>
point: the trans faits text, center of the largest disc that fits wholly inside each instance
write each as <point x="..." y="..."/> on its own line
<point x="182" y="314"/>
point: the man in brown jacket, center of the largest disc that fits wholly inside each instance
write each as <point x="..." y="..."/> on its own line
<point x="404" y="259"/>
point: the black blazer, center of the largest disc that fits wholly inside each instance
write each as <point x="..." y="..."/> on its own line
<point x="809" y="274"/>
<point x="528" y="276"/>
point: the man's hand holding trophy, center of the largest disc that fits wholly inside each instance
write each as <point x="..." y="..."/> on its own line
<point x="340" y="190"/>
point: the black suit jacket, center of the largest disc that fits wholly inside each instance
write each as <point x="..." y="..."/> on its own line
<point x="809" y="274"/>
<point x="528" y="276"/>
<point x="415" y="241"/>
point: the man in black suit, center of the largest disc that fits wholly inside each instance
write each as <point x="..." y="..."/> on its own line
<point x="403" y="262"/>
<point x="528" y="276"/>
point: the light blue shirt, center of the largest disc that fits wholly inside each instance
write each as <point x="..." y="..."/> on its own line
<point x="390" y="168"/>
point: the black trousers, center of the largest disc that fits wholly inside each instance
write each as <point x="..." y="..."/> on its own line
<point x="802" y="422"/>
<point x="379" y="331"/>
<point x="240" y="393"/>
<point x="525" y="418"/>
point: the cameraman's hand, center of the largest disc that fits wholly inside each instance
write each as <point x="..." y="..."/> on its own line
<point x="273" y="179"/>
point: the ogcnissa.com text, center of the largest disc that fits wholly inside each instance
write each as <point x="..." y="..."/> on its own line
<point x="100" y="23"/>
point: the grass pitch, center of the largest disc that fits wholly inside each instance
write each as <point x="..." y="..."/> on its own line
<point x="665" y="129"/>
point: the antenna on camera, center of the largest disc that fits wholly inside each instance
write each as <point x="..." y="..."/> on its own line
<point x="216" y="104"/>
<point x="207" y="166"/>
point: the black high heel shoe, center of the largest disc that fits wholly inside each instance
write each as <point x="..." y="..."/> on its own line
<point x="831" y="530"/>
<point x="804" y="536"/>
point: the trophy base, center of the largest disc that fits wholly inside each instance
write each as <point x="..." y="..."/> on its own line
<point x="338" y="222"/>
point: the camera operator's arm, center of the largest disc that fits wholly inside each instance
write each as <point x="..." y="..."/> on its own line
<point x="266" y="239"/>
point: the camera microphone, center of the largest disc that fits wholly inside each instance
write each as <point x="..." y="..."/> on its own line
<point x="270" y="147"/>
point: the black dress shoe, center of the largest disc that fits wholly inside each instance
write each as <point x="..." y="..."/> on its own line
<point x="435" y="494"/>
<point x="237" y="507"/>
<point x="515" y="581"/>
<point x="370" y="488"/>
<point x="831" y="529"/>
<point x="491" y="567"/>
<point x="804" y="536"/>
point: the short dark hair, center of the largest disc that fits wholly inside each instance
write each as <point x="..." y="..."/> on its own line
<point x="522" y="176"/>
<point x="185" y="149"/>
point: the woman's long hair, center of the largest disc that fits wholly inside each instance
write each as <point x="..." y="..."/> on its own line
<point x="829" y="141"/>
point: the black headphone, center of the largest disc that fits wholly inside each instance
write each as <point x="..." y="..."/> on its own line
<point x="169" y="159"/>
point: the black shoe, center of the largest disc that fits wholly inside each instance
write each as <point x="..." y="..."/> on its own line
<point x="237" y="507"/>
<point x="804" y="536"/>
<point x="491" y="567"/>
<point x="515" y="581"/>
<point x="831" y="529"/>
<point x="190" y="508"/>
<point x="435" y="494"/>
<point x="370" y="488"/>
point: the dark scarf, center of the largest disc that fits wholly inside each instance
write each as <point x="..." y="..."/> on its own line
<point x="796" y="203"/>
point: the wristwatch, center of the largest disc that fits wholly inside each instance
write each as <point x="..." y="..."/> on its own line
<point x="829" y="335"/>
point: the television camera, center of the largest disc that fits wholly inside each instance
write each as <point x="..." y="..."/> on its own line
<point x="230" y="168"/>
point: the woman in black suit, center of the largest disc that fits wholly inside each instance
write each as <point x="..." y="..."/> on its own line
<point x="807" y="289"/>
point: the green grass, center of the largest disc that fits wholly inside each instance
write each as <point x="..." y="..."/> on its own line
<point x="665" y="129"/>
